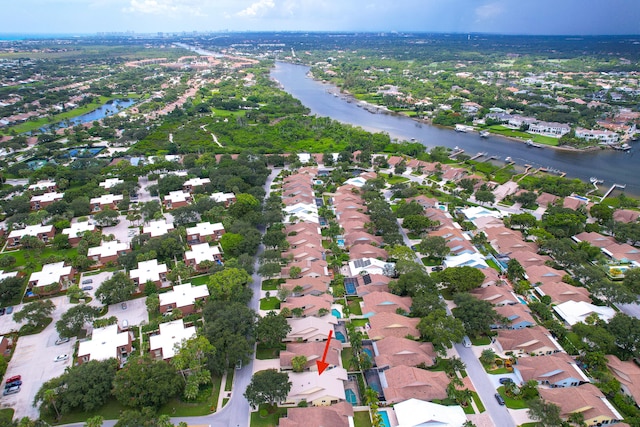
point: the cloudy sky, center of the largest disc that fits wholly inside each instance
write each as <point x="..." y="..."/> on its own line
<point x="494" y="16"/>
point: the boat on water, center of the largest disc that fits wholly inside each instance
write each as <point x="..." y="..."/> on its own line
<point x="508" y="159"/>
<point x="484" y="134"/>
<point x="595" y="180"/>
<point x="463" y="128"/>
<point x="530" y="143"/>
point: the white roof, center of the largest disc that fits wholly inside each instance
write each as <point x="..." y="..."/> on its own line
<point x="148" y="271"/>
<point x="205" y="228"/>
<point x="307" y="212"/>
<point x="196" y="182"/>
<point x="574" y="312"/>
<point x="31" y="230"/>
<point x="171" y="333"/>
<point x="472" y="260"/>
<point x="307" y="327"/>
<point x="104" y="343"/>
<point x="475" y="212"/>
<point x="183" y="295"/>
<point x="42" y="185"/>
<point x="51" y="273"/>
<point x="47" y="197"/>
<point x="77" y="228"/>
<point x="310" y="386"/>
<point x="418" y="413"/>
<point x="157" y="228"/>
<point x="202" y="252"/>
<point x="222" y="197"/>
<point x="357" y="181"/>
<point x="369" y="266"/>
<point x="4" y="275"/>
<point x="107" y="199"/>
<point x="177" y="196"/>
<point x="111" y="182"/>
<point x="107" y="249"/>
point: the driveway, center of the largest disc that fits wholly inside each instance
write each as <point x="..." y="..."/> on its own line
<point x="96" y="281"/>
<point x="495" y="379"/>
<point x="33" y="360"/>
<point x="135" y="313"/>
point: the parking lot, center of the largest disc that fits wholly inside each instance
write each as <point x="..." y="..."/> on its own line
<point x="134" y="314"/>
<point x="121" y="231"/>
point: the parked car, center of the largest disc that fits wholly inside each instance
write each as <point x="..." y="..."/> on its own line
<point x="2" y="311"/>
<point x="499" y="399"/>
<point x="61" y="340"/>
<point x="123" y="306"/>
<point x="437" y="268"/>
<point x="87" y="288"/>
<point x="12" y="384"/>
<point x="87" y="281"/>
<point x="11" y="390"/>
<point x="13" y="379"/>
<point x="505" y="380"/>
<point x="61" y="358"/>
<point x="9" y="310"/>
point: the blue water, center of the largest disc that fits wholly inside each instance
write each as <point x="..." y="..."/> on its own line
<point x="106" y="110"/>
<point x="369" y="353"/>
<point x="522" y="301"/>
<point x="340" y="337"/>
<point x="336" y="313"/>
<point x="385" y="418"/>
<point x="340" y="242"/>
<point x="85" y="152"/>
<point x="350" y="288"/>
<point x="351" y="397"/>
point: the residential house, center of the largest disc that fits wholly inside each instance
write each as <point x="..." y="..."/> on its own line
<point x="163" y="345"/>
<point x="418" y="413"/>
<point x="549" y="128"/>
<point x="311" y="305"/>
<point x="108" y="342"/>
<point x="110" y="183"/>
<point x="157" y="228"/>
<point x="395" y="351"/>
<point x="307" y="329"/>
<point x="313" y="351"/>
<point x="41" y="201"/>
<point x="77" y="230"/>
<point x="625" y="215"/>
<point x="43" y="232"/>
<point x="573" y="312"/>
<point x="317" y="390"/>
<point x="586" y="399"/>
<point x="496" y="295"/>
<point x="192" y="184"/>
<point x="534" y="341"/>
<point x="605" y="137"/>
<point x="108" y="251"/>
<point x="183" y="297"/>
<point x="553" y="370"/>
<point x="225" y="198"/>
<point x="518" y="316"/>
<point x="628" y="373"/>
<point x="401" y="383"/>
<point x="385" y="302"/>
<point x="204" y="231"/>
<point x="307" y="212"/>
<point x="543" y="274"/>
<point x="307" y="285"/>
<point x="392" y="325"/>
<point x="149" y="271"/>
<point x="177" y="199"/>
<point x="366" y="283"/>
<point x="106" y="201"/>
<point x="50" y="274"/>
<point x="371" y="266"/>
<point x="337" y="415"/>
<point x="308" y="268"/>
<point x="527" y="258"/>
<point x="202" y="252"/>
<point x="47" y="186"/>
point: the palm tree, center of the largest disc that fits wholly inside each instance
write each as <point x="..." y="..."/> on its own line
<point x="50" y="398"/>
<point x="370" y="396"/>
<point x="94" y="421"/>
<point x="456" y="364"/>
<point x="487" y="357"/>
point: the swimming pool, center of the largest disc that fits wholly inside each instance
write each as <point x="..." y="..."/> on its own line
<point x="340" y="243"/>
<point x="340" y="337"/>
<point x="350" y="288"/>
<point x="522" y="301"/>
<point x="385" y="418"/>
<point x="337" y="314"/>
<point x="369" y="353"/>
<point x="351" y="397"/>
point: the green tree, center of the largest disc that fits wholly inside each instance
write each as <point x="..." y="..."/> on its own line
<point x="460" y="279"/>
<point x="515" y="270"/>
<point x="441" y="330"/>
<point x="36" y="313"/>
<point x="488" y="356"/>
<point x="106" y="218"/>
<point x="10" y="288"/>
<point x="271" y="329"/>
<point x="230" y="284"/>
<point x="545" y="413"/>
<point x="146" y="382"/>
<point x="117" y="289"/>
<point x="95" y="421"/>
<point x="476" y="315"/>
<point x="434" y="246"/>
<point x="231" y="244"/>
<point x="190" y="360"/>
<point x="74" y="320"/>
<point x="626" y="331"/>
<point x="269" y="386"/>
<point x="298" y="363"/>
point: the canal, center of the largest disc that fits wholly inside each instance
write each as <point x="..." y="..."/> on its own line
<point x="608" y="165"/>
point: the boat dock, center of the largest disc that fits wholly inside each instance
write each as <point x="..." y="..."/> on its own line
<point x="477" y="156"/>
<point x="610" y="190"/>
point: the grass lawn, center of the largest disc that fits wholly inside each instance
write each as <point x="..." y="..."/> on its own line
<point x="6" y="415"/>
<point x="264" y="353"/>
<point x="361" y="419"/>
<point x="440" y="365"/>
<point x="468" y="409"/>
<point x="481" y="341"/>
<point x="110" y="411"/>
<point x="493" y="265"/>
<point x="499" y="371"/>
<point x="478" y="401"/>
<point x="431" y="262"/>
<point x="271" y="284"/>
<point x="229" y="383"/>
<point x="200" y="280"/>
<point x="354" y="306"/>
<point x="503" y="130"/>
<point x="346" y="356"/>
<point x="224" y="401"/>
<point x="395" y="179"/>
<point x="216" y="382"/>
<point x="271" y="420"/>
<point x="510" y="402"/>
<point x="23" y="255"/>
<point x="528" y="425"/>
<point x="28" y="330"/>
<point x="271" y="303"/>
<point x="359" y="322"/>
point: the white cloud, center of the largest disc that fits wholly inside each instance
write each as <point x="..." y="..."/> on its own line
<point x="257" y="9"/>
<point x="165" y="7"/>
<point x="489" y="11"/>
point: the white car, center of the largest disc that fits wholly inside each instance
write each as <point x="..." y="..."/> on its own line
<point x="61" y="358"/>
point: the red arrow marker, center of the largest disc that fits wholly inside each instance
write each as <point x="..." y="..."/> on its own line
<point x="322" y="365"/>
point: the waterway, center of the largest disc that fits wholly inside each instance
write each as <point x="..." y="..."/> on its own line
<point x="106" y="110"/>
<point x="608" y="165"/>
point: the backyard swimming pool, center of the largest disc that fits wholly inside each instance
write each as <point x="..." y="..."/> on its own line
<point x="385" y="418"/>
<point x="369" y="353"/>
<point x="337" y="314"/>
<point x="351" y="397"/>
<point x="340" y="337"/>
